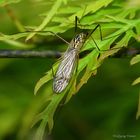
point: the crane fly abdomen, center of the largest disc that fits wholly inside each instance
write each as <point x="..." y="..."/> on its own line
<point x="68" y="64"/>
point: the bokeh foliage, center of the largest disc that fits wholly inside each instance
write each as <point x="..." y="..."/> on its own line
<point x="120" y="27"/>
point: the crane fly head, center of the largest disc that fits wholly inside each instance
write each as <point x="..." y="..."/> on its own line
<point x="80" y="39"/>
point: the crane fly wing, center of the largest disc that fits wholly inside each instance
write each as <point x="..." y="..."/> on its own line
<point x="65" y="70"/>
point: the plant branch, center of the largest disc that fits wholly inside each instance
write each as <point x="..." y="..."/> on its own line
<point x="29" y="54"/>
<point x="56" y="54"/>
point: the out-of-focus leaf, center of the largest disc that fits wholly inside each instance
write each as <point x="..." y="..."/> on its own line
<point x="138" y="112"/>
<point x="48" y="17"/>
<point x="40" y="130"/>
<point x="47" y="115"/>
<point x="17" y="44"/>
<point x="5" y="2"/>
<point x="137" y="81"/>
<point x="100" y="16"/>
<point x="12" y="40"/>
<point x="138" y="28"/>
<point x="13" y="37"/>
<point x="135" y="59"/>
<point x="69" y="10"/>
<point x="96" y="5"/>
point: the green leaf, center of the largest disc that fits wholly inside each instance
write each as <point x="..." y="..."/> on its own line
<point x="135" y="59"/>
<point x="48" y="76"/>
<point x="47" y="115"/>
<point x="138" y="112"/>
<point x="137" y="81"/>
<point x="138" y="28"/>
<point x="48" y="17"/>
<point x="12" y="40"/>
<point x="69" y="10"/>
<point x="40" y="131"/>
<point x="42" y="81"/>
<point x="5" y="2"/>
<point x="72" y="90"/>
<point x="92" y="7"/>
<point x="96" y="5"/>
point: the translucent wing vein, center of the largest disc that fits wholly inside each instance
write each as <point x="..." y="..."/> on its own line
<point x="65" y="70"/>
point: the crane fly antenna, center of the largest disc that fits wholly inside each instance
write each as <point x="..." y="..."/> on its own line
<point x="51" y="33"/>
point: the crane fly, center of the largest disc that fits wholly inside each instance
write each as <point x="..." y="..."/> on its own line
<point x="69" y="60"/>
<point x="68" y="64"/>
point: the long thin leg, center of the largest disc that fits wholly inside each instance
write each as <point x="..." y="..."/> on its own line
<point x="76" y="23"/>
<point x="95" y="44"/>
<point x="100" y="31"/>
<point x="90" y="35"/>
<point x="97" y="26"/>
<point x="76" y="19"/>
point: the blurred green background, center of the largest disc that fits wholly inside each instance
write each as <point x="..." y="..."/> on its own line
<point x="104" y="109"/>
